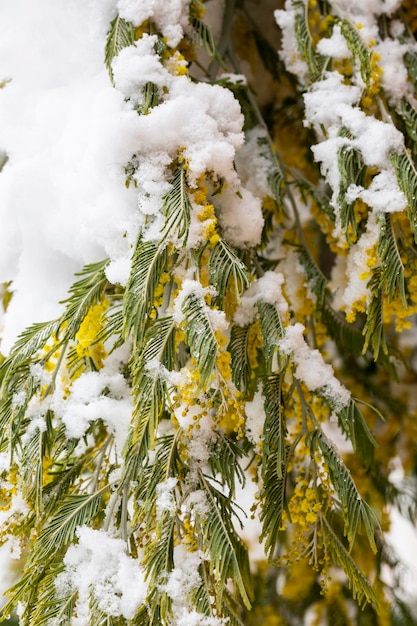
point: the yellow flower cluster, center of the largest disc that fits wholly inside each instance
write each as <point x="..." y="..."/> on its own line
<point x="189" y="535"/>
<point x="254" y="344"/>
<point x="175" y="63"/>
<point x="303" y="506"/>
<point x="158" y="295"/>
<point x="206" y="214"/>
<point x="357" y="307"/>
<point x="208" y="218"/>
<point x="87" y="345"/>
<point x="368" y="100"/>
<point x="317" y="24"/>
<point x="8" y="489"/>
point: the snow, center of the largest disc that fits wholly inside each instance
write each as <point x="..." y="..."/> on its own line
<point x="165" y="498"/>
<point x="171" y="18"/>
<point x="311" y="368"/>
<point x="240" y="217"/>
<point x="69" y="136"/>
<point x="357" y="268"/>
<point x="255" y="418"/>
<point x="63" y="202"/>
<point x="193" y="287"/>
<point x="96" y="395"/>
<point x="267" y="289"/>
<point x="394" y="77"/>
<point x="383" y="194"/>
<point x="334" y="46"/>
<point x="185" y="576"/>
<point x="98" y="565"/>
<point x="289" y="52"/>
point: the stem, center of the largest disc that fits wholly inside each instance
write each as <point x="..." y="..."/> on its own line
<point x="225" y="38"/>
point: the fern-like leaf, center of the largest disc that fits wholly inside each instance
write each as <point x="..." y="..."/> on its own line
<point x="361" y="588"/>
<point x="32" y="474"/>
<point x="348" y="337"/>
<point x="238" y="348"/>
<point x="351" y="170"/>
<point x="228" y="555"/>
<point x="29" y="342"/>
<point x="409" y="116"/>
<point x="275" y="456"/>
<point x="225" y="461"/>
<point x="149" y="393"/>
<point x="120" y="35"/>
<point x="392" y="275"/>
<point x="200" y="335"/>
<point x="315" y="277"/>
<point x="357" y="431"/>
<point x="357" y="47"/>
<point x="410" y="60"/>
<point x="356" y="512"/>
<point x="148" y="263"/>
<point x="159" y="561"/>
<point x="224" y="265"/>
<point x="177" y="208"/>
<point x="407" y="180"/>
<point x="205" y="39"/>
<point x="83" y="295"/>
<point x="149" y="408"/>
<point x="272" y="332"/>
<point x="315" y="61"/>
<point x="373" y="330"/>
<point x="73" y="511"/>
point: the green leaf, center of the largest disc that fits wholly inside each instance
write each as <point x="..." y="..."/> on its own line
<point x="148" y="263"/>
<point x="272" y="333"/>
<point x="274" y="431"/>
<point x="73" y="511"/>
<point x="177" y="208"/>
<point x="409" y="116"/>
<point x="149" y="408"/>
<point x="120" y="35"/>
<point x="27" y="344"/>
<point x="153" y="471"/>
<point x="13" y="414"/>
<point x="228" y="555"/>
<point x="407" y="180"/>
<point x="49" y="608"/>
<point x="83" y="295"/>
<point x="225" y="461"/>
<point x="315" y="277"/>
<point x="32" y="469"/>
<point x="200" y="335"/>
<point x="357" y="47"/>
<point x="348" y="337"/>
<point x="410" y="61"/>
<point x="356" y="512"/>
<point x="373" y="330"/>
<point x="316" y="62"/>
<point x="159" y="562"/>
<point x="149" y="392"/>
<point x="205" y="39"/>
<point x="352" y="171"/>
<point x="225" y="267"/>
<point x="357" y="431"/>
<point x="361" y="588"/>
<point x="150" y="99"/>
<point x="238" y="348"/>
<point x="392" y="275"/>
<point x="275" y="457"/>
